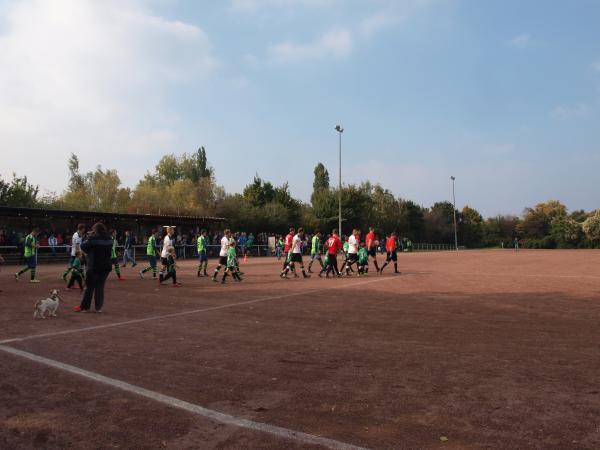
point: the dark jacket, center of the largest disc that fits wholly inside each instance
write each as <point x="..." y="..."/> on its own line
<point x="98" y="251"/>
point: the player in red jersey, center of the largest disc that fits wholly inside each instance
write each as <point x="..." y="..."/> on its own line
<point x="390" y="247"/>
<point x="372" y="247"/>
<point x="334" y="245"/>
<point x="288" y="244"/>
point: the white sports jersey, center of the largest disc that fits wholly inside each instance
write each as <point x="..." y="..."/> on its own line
<point x="75" y="243"/>
<point x="352" y="244"/>
<point x="224" y="246"/>
<point x="167" y="242"/>
<point x="297" y="244"/>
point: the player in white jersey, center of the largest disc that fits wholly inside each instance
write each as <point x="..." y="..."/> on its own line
<point x="297" y="244"/>
<point x="75" y="247"/>
<point x="353" y="246"/>
<point x="222" y="253"/>
<point x="168" y="241"/>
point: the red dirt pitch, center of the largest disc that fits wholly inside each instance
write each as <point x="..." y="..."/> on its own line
<point x="477" y="349"/>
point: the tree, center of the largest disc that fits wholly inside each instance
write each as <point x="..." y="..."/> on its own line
<point x="321" y="181"/>
<point x="19" y="192"/>
<point x="537" y="221"/>
<point x="259" y="192"/>
<point x="566" y="232"/>
<point x="439" y="223"/>
<point x="471" y="227"/>
<point x="591" y="227"/>
<point x="412" y="223"/>
<point x="500" y="230"/>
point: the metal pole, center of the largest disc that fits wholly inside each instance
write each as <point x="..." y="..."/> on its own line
<point x="454" y="213"/>
<point x="340" y="186"/>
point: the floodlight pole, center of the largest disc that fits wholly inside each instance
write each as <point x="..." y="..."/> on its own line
<point x="340" y="130"/>
<point x="454" y="213"/>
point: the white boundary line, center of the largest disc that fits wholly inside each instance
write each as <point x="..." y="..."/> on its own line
<point x="524" y="275"/>
<point x="189" y="312"/>
<point x="281" y="432"/>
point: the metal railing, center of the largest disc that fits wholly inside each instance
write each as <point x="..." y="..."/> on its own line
<point x="61" y="253"/>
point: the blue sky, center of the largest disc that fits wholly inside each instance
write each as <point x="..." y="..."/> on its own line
<point x="505" y="95"/>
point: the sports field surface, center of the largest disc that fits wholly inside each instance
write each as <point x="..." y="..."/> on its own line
<point x="474" y="349"/>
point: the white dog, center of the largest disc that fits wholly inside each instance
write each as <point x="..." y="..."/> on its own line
<point x="49" y="305"/>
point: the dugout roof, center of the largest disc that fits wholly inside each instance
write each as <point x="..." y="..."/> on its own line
<point x="90" y="216"/>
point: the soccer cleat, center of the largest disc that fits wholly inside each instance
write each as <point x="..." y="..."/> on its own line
<point x="77" y="309"/>
<point x="141" y="274"/>
<point x="214" y="279"/>
<point x="16" y="277"/>
<point x="98" y="311"/>
<point x="35" y="280"/>
<point x="64" y="277"/>
<point x="198" y="274"/>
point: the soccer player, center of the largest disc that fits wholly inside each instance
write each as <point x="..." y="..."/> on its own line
<point x="225" y="240"/>
<point x="113" y="255"/>
<point x="363" y="260"/>
<point x="296" y="255"/>
<point x="288" y="246"/>
<point x="334" y="245"/>
<point x="202" y="256"/>
<point x="151" y="254"/>
<point x="168" y="241"/>
<point x="279" y="247"/>
<point x="232" y="264"/>
<point x="171" y="271"/>
<point x="30" y="253"/>
<point x="315" y="251"/>
<point x="76" y="273"/>
<point x="372" y="247"/>
<point x="352" y="252"/>
<point x="390" y="247"/>
<point x="75" y="247"/>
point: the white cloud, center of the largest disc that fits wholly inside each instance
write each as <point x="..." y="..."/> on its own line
<point x="570" y="112"/>
<point x="521" y="41"/>
<point x="253" y="6"/>
<point x="334" y="44"/>
<point x="90" y="77"/>
<point x="375" y="23"/>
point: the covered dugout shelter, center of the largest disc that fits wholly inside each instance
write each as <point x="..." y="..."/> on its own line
<point x="16" y="222"/>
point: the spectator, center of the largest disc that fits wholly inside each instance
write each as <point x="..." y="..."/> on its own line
<point x="98" y="247"/>
<point x="53" y="242"/>
<point x="128" y="249"/>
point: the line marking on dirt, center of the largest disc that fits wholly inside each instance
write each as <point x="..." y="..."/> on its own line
<point x="525" y="275"/>
<point x="189" y="312"/>
<point x="285" y="433"/>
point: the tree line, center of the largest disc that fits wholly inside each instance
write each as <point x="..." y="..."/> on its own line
<point x="186" y="185"/>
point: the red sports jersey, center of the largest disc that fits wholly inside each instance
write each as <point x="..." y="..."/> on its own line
<point x="288" y="242"/>
<point x="370" y="239"/>
<point x="390" y="244"/>
<point x="334" y="245"/>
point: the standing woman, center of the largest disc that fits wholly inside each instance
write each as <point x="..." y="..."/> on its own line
<point x="97" y="246"/>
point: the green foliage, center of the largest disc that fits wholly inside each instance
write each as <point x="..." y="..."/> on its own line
<point x="591" y="227"/>
<point x="185" y="185"/>
<point x="471" y="227"/>
<point x="500" y="231"/>
<point x="566" y="232"/>
<point x="19" y="192"/>
<point x="537" y="221"/>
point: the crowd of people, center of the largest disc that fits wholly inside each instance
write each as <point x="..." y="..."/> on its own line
<point x="94" y="254"/>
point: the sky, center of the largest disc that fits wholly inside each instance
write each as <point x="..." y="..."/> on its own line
<point x="502" y="94"/>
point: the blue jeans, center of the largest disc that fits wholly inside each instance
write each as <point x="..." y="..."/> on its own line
<point x="128" y="256"/>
